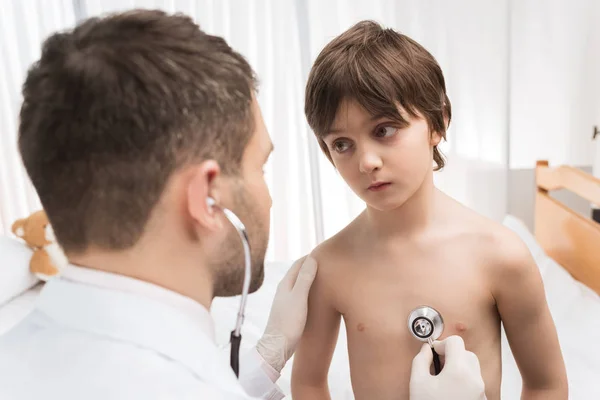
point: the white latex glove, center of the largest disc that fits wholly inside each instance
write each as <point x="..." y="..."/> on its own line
<point x="288" y="314"/>
<point x="460" y="378"/>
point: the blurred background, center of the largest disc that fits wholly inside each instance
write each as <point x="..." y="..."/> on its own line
<point x="523" y="78"/>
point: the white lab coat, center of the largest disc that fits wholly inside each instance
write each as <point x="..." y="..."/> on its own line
<point x="85" y="341"/>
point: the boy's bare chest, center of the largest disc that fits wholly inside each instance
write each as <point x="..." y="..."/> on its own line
<point x="376" y="301"/>
<point x="376" y="295"/>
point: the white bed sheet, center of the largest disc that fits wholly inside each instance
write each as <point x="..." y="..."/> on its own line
<point x="16" y="309"/>
<point x="575" y="308"/>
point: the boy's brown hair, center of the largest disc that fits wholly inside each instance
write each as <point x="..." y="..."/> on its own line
<point x="379" y="68"/>
<point x="114" y="107"/>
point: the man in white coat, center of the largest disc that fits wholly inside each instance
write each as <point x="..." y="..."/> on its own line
<point x="128" y="124"/>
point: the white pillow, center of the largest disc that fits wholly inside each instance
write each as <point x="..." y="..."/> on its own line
<point x="15" y="277"/>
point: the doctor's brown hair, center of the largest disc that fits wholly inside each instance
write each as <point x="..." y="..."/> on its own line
<point x="115" y="106"/>
<point x="379" y="68"/>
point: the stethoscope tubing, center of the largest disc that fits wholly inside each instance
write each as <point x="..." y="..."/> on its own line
<point x="236" y="336"/>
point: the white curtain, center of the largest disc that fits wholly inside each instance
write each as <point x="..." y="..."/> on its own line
<point x="23" y="25"/>
<point x="491" y="51"/>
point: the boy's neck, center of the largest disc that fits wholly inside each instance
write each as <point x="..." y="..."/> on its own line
<point x="411" y="218"/>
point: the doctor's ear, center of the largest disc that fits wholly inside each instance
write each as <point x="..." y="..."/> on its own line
<point x="203" y="195"/>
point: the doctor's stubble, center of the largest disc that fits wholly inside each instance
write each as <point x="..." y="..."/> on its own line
<point x="228" y="264"/>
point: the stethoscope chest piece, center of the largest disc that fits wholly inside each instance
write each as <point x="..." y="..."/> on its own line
<point x="426" y="324"/>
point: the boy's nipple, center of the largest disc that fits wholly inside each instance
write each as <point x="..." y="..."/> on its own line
<point x="460" y="327"/>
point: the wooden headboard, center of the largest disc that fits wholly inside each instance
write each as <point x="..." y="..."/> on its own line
<point x="569" y="238"/>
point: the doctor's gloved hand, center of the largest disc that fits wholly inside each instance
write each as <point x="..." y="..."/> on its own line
<point x="460" y="378"/>
<point x="288" y="314"/>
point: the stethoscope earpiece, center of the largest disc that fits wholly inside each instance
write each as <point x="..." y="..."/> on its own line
<point x="210" y="201"/>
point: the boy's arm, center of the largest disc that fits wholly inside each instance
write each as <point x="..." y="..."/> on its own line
<point x="529" y="327"/>
<point x="315" y="350"/>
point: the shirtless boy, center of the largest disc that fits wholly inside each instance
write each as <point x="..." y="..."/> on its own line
<point x="377" y="103"/>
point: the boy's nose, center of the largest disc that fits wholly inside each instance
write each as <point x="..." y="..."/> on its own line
<point x="369" y="162"/>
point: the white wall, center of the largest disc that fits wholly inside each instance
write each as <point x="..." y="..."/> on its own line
<point x="555" y="81"/>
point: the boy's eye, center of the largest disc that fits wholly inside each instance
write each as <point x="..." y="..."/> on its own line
<point x="385" y="131"/>
<point x="341" y="146"/>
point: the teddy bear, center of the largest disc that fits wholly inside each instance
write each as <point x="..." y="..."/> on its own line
<point x="48" y="257"/>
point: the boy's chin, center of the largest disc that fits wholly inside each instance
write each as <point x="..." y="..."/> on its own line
<point x="386" y="208"/>
<point x="385" y="205"/>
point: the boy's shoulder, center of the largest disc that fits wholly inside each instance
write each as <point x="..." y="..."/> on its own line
<point x="338" y="244"/>
<point x="339" y="248"/>
<point x="497" y="245"/>
<point x="504" y="256"/>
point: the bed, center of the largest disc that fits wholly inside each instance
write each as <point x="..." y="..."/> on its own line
<point x="565" y="245"/>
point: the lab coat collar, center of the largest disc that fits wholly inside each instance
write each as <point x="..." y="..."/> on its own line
<point x="124" y="283"/>
<point x="139" y="321"/>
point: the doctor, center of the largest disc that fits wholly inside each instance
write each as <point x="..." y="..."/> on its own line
<point x="129" y="124"/>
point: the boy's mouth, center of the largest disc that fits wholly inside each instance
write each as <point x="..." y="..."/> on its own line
<point x="377" y="186"/>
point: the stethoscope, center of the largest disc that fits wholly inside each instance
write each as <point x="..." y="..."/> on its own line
<point x="426" y="324"/>
<point x="236" y="336"/>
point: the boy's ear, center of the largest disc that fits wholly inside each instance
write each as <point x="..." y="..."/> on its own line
<point x="436" y="138"/>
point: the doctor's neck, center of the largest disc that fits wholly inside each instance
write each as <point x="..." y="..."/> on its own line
<point x="170" y="265"/>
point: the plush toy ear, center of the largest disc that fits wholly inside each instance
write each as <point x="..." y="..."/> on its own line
<point x="17" y="228"/>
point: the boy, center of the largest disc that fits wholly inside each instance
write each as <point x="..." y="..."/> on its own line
<point x="377" y="103"/>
